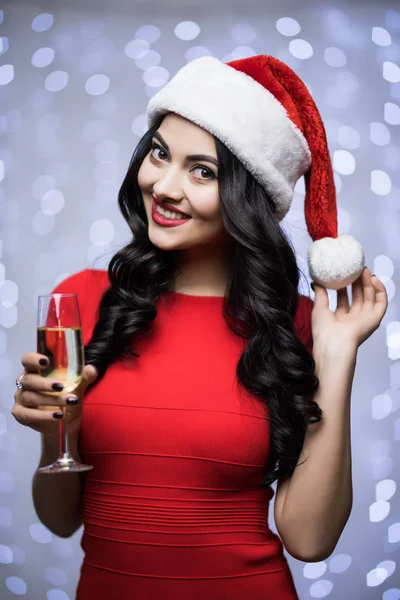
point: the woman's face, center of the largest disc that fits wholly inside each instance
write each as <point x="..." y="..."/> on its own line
<point x="175" y="177"/>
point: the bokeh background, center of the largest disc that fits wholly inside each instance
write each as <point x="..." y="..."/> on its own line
<point x="75" y="79"/>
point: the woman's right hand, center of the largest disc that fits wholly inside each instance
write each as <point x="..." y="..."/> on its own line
<point x="28" y="399"/>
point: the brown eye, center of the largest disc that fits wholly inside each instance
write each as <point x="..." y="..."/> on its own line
<point x="206" y="171"/>
<point x="154" y="147"/>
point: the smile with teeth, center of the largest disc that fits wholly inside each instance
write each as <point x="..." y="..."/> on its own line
<point x="169" y="214"/>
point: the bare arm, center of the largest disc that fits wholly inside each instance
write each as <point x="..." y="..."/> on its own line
<point x="58" y="497"/>
<point x="312" y="508"/>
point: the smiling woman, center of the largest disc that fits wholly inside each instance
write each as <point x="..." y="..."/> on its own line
<point x="201" y="381"/>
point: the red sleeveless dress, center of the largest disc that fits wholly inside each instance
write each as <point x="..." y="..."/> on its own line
<point x="172" y="507"/>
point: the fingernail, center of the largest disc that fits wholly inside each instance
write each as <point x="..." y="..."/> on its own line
<point x="312" y="287"/>
<point x="58" y="415"/>
<point x="43" y="362"/>
<point x="72" y="401"/>
<point x="57" y="387"/>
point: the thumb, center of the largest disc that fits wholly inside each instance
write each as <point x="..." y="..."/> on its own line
<point x="89" y="375"/>
<point x="321" y="299"/>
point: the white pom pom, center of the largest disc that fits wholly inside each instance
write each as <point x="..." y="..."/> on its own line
<point x="335" y="263"/>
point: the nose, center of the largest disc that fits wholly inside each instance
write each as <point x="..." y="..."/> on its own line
<point x="169" y="185"/>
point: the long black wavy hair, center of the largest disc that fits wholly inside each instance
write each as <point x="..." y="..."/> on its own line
<point x="260" y="302"/>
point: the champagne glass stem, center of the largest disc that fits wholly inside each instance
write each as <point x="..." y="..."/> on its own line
<point x="64" y="439"/>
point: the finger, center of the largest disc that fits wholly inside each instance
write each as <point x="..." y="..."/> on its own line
<point x="33" y="416"/>
<point x="89" y="375"/>
<point x="357" y="292"/>
<point x="369" y="290"/>
<point x="381" y="298"/>
<point x="38" y="383"/>
<point x="321" y="299"/>
<point x="34" y="400"/>
<point x="342" y="301"/>
<point x="33" y="361"/>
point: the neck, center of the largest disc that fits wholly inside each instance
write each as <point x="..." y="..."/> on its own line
<point x="203" y="271"/>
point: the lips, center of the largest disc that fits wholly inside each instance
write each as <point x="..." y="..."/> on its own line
<point x="166" y="206"/>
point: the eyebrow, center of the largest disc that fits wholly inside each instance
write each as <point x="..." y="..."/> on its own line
<point x="206" y="157"/>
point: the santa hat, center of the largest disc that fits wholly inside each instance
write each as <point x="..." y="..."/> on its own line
<point x="262" y="111"/>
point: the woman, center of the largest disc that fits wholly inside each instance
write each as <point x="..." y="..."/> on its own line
<point x="208" y="377"/>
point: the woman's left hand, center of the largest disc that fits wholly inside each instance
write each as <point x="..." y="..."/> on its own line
<point x="349" y="326"/>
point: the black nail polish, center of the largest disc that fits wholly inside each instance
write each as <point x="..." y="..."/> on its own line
<point x="72" y="401"/>
<point x="58" y="415"/>
<point x="57" y="387"/>
<point x="43" y="362"/>
<point x="312" y="287"/>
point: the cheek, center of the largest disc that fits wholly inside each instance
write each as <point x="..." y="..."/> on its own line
<point x="144" y="176"/>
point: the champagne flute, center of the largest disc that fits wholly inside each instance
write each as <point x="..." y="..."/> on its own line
<point x="59" y="337"/>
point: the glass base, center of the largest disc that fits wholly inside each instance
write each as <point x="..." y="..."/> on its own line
<point x="65" y="465"/>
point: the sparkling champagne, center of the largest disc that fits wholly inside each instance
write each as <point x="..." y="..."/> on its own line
<point x="64" y="349"/>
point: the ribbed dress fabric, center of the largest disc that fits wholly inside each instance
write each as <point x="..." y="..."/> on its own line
<point x="172" y="508"/>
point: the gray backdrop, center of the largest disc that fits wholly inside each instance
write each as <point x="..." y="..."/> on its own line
<point x="75" y="78"/>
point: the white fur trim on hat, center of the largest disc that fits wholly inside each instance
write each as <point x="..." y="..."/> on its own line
<point x="243" y="115"/>
<point x="335" y="263"/>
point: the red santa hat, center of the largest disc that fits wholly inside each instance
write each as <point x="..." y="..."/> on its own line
<point x="263" y="112"/>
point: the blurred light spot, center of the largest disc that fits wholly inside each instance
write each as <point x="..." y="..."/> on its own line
<point x="104" y="106"/>
<point x="6" y="480"/>
<point x="136" y="48"/>
<point x="288" y="26"/>
<point x="106" y="150"/>
<point x="347" y="81"/>
<point x="379" y="134"/>
<point x="99" y="256"/>
<point x="391" y="72"/>
<point x="344" y="220"/>
<point x="321" y="588"/>
<point x="381" y="405"/>
<point x="394" y="533"/>
<point x="2" y="273"/>
<point x="92" y="29"/>
<point x="243" y="33"/>
<point x="395" y="376"/>
<point x="8" y="316"/>
<point x="101" y="232"/>
<point x="18" y="555"/>
<point x="383" y="267"/>
<point x="340" y="563"/>
<point x="334" y="57"/>
<point x="151" y="59"/>
<point x="382" y="467"/>
<point x="385" y="489"/>
<point x="52" y="202"/>
<point x="43" y="100"/>
<point x="344" y="162"/>
<point x="8" y="293"/>
<point x="97" y="84"/>
<point x="379" y="448"/>
<point x="16" y="585"/>
<point x="348" y="138"/>
<point x="196" y="52"/>
<point x="56" y="81"/>
<point x="40" y="534"/>
<point x="380" y="183"/>
<point x="378" y="511"/>
<point x="388" y="565"/>
<point x="106" y="171"/>
<point x="57" y="595"/>
<point x="155" y="76"/>
<point x="5" y="555"/>
<point x="6" y="74"/>
<point x="3" y="44"/>
<point x="55" y="576"/>
<point x="139" y="125"/>
<point x="149" y="33"/>
<point x="242" y="52"/>
<point x="187" y="30"/>
<point x="96" y="130"/>
<point x="376" y="577"/>
<point x="5" y="371"/>
<point x="5" y="516"/>
<point x="43" y="57"/>
<point x="11" y="241"/>
<point x="92" y="62"/>
<point x="314" y="570"/>
<point x="301" y="49"/>
<point x="42" y="22"/>
<point x="49" y="124"/>
<point x="42" y="224"/>
<point x="380" y="36"/>
<point x="46" y="266"/>
<point x="107" y="193"/>
<point x="60" y="172"/>
<point x="392" y="113"/>
<point x="338" y="97"/>
<point x="13" y="121"/>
